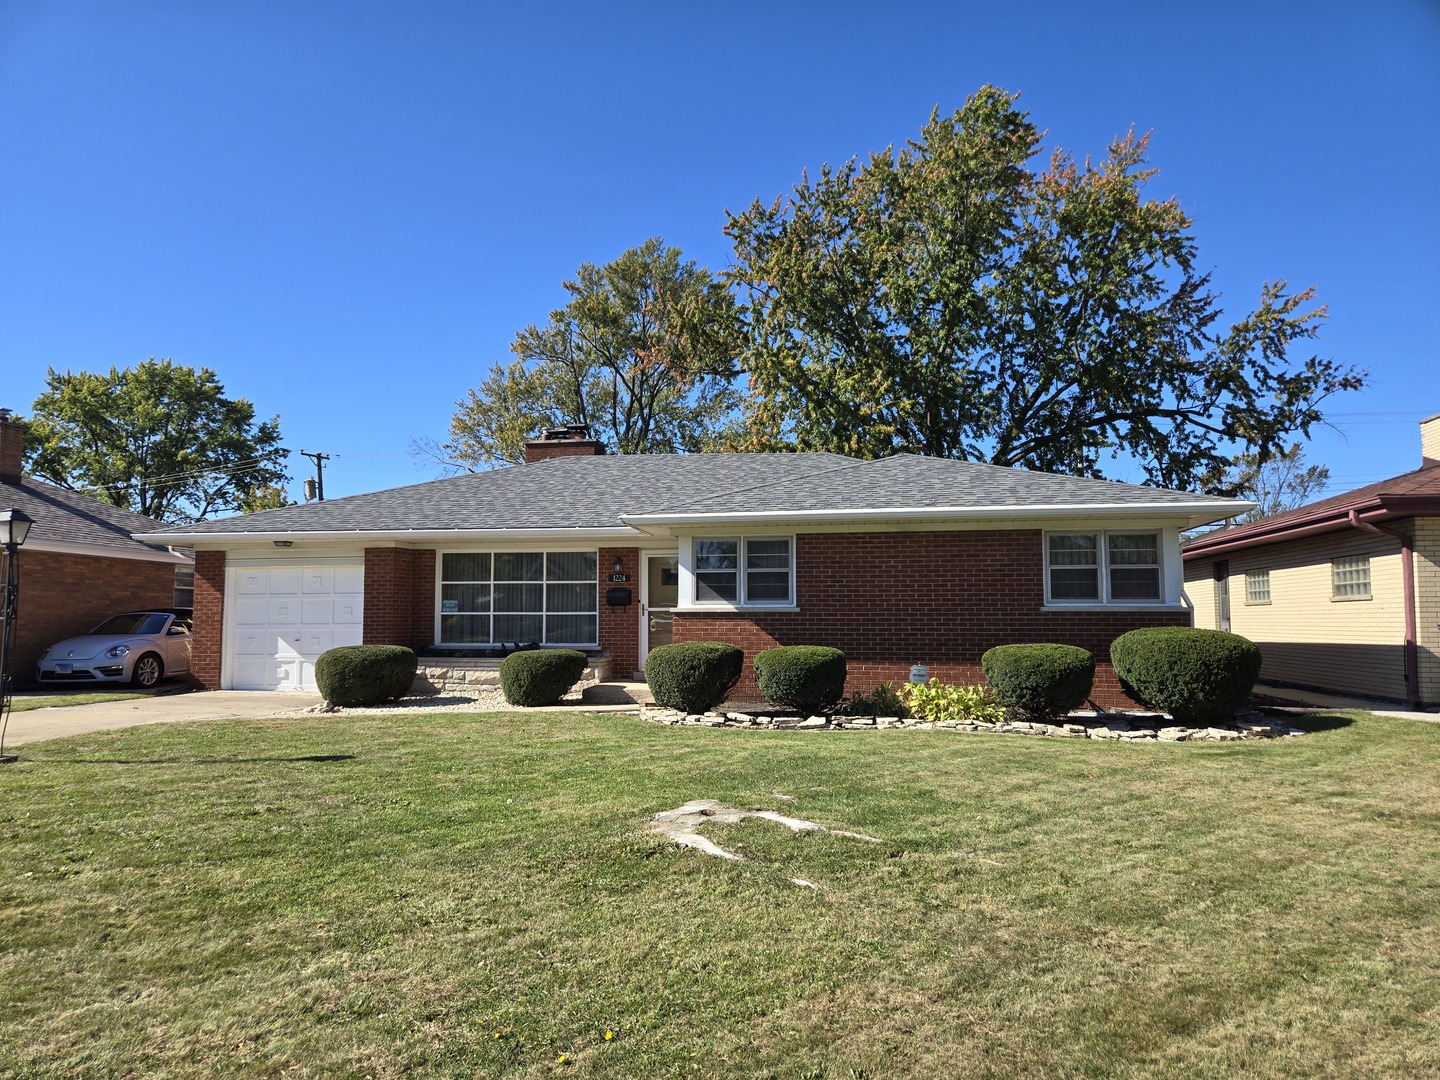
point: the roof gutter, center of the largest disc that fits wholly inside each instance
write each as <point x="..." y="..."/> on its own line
<point x="1328" y="520"/>
<point x="1407" y="578"/>
<point x="414" y="536"/>
<point x="1200" y="512"/>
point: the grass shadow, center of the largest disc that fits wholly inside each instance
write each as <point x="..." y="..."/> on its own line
<point x="1312" y="723"/>
<point x="315" y="758"/>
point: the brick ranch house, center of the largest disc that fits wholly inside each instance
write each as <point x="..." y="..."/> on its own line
<point x="84" y="559"/>
<point x="899" y="561"/>
<point x="1342" y="595"/>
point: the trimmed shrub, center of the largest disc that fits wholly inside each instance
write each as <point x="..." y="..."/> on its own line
<point x="807" y="678"/>
<point x="540" y="676"/>
<point x="693" y="676"/>
<point x="1194" y="675"/>
<point x="1039" y="682"/>
<point x="365" y="674"/>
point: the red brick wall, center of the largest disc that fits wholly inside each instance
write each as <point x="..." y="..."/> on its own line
<point x="205" y="640"/>
<point x="399" y="597"/>
<point x="889" y="600"/>
<point x="620" y="626"/>
<point x="65" y="595"/>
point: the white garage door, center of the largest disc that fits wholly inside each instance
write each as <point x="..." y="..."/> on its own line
<point x="284" y="617"/>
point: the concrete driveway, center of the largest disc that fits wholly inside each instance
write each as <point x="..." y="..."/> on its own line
<point x="37" y="725"/>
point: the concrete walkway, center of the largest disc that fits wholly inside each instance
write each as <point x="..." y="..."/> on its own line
<point x="1309" y="701"/>
<point x="36" y="725"/>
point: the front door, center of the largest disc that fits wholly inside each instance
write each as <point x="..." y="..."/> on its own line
<point x="659" y="593"/>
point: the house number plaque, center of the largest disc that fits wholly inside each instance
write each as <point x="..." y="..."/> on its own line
<point x="619" y="577"/>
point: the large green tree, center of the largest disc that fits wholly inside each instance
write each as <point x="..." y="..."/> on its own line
<point x="965" y="297"/>
<point x="643" y="352"/>
<point x="160" y="438"/>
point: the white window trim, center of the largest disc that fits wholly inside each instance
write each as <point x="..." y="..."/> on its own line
<point x="1102" y="565"/>
<point x="440" y="554"/>
<point x="689" y="595"/>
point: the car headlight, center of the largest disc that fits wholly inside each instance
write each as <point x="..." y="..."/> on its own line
<point x="119" y="652"/>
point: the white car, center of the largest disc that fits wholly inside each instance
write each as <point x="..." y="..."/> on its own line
<point x="140" y="647"/>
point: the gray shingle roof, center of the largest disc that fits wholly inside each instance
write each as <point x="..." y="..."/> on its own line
<point x="63" y="516"/>
<point x="592" y="493"/>
<point x="908" y="481"/>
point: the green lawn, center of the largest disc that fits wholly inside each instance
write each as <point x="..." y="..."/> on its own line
<point x="476" y="896"/>
<point x="28" y="702"/>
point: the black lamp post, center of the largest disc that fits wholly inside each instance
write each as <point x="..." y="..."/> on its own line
<point x="14" y="528"/>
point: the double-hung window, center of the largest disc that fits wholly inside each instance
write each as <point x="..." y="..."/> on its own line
<point x="744" y="571"/>
<point x="1103" y="568"/>
<point x="519" y="596"/>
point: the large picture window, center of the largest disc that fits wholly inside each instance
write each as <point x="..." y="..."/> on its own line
<point x="1103" y="568"/>
<point x="745" y="571"/>
<point x="546" y="597"/>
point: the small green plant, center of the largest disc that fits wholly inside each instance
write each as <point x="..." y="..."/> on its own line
<point x="807" y="678"/>
<point x="882" y="701"/>
<point x="538" y="677"/>
<point x="365" y="674"/>
<point x="936" y="701"/>
<point x="693" y="676"/>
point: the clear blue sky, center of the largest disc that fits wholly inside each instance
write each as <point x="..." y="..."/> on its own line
<point x="348" y="209"/>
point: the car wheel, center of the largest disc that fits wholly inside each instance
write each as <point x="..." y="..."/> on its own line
<point x="148" y="670"/>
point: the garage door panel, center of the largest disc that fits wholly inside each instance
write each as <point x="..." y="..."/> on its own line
<point x="318" y="581"/>
<point x="252" y="583"/>
<point x="350" y="580"/>
<point x="282" y="618"/>
<point x="284" y="582"/>
<point x="252" y="611"/>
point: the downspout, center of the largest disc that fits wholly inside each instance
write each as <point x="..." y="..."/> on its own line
<point x="1407" y="579"/>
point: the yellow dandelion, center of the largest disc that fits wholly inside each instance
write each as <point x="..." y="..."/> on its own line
<point x="609" y="1035"/>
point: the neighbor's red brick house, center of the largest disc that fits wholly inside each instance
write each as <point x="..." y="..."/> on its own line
<point x="82" y="561"/>
<point x="900" y="561"/>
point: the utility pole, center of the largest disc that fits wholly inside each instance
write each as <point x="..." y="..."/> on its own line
<point x="319" y="460"/>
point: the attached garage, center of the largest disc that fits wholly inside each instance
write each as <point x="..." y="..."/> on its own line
<point x="279" y="618"/>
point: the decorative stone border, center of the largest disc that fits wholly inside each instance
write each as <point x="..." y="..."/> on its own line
<point x="469" y="674"/>
<point x="1127" y="727"/>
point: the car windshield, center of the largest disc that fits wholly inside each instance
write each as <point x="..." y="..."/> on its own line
<point x="136" y="622"/>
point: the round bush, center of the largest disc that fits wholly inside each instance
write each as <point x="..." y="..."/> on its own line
<point x="693" y="676"/>
<point x="1039" y="682"/>
<point x="1194" y="675"/>
<point x="808" y="678"/>
<point x="540" y="676"/>
<point x="365" y="674"/>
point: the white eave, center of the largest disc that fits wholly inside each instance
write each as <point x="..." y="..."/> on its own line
<point x="403" y="536"/>
<point x="1191" y="513"/>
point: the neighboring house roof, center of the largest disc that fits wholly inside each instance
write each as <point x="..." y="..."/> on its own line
<point x="66" y="521"/>
<point x="625" y="495"/>
<point x="1410" y="494"/>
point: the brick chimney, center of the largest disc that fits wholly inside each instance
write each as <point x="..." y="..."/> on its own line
<point x="12" y="448"/>
<point x="573" y="440"/>
<point x="1430" y="442"/>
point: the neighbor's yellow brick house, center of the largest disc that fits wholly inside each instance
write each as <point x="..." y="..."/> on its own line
<point x="1342" y="595"/>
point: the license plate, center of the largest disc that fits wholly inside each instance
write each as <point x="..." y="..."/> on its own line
<point x="64" y="669"/>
